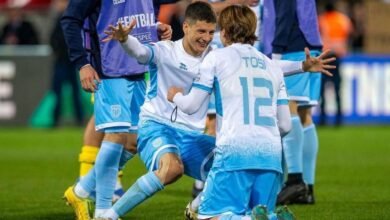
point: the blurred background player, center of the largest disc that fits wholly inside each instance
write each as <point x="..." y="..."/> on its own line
<point x="335" y="29"/>
<point x="17" y="30"/>
<point x="64" y="70"/>
<point x="119" y="88"/>
<point x="296" y="27"/>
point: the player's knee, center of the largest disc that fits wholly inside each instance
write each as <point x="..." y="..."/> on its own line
<point x="170" y="169"/>
<point x="305" y="115"/>
<point x="131" y="143"/>
<point x="119" y="138"/>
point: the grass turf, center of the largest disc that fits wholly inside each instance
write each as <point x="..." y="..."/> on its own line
<point x="36" y="166"/>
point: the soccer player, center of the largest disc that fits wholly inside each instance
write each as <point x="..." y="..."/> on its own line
<point x="171" y="142"/>
<point x="218" y="6"/>
<point x="297" y="28"/>
<point x="118" y="83"/>
<point x="252" y="113"/>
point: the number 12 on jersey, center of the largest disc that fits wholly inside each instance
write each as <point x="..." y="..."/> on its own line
<point x="258" y="101"/>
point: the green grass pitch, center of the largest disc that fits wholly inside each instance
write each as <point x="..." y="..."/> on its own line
<point x="36" y="166"/>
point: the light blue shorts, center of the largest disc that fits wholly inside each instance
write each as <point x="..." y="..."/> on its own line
<point x="117" y="104"/>
<point x="315" y="90"/>
<point x="194" y="148"/>
<point x="303" y="87"/>
<point x="237" y="192"/>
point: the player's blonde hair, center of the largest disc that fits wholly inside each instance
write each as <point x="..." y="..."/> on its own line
<point x="239" y="24"/>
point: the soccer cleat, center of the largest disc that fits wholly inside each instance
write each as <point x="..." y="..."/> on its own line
<point x="284" y="213"/>
<point x="190" y="214"/>
<point x="307" y="199"/>
<point x="259" y="212"/>
<point x="81" y="207"/>
<point x="291" y="192"/>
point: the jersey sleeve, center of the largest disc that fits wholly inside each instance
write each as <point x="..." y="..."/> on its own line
<point x="206" y="73"/>
<point x="282" y="93"/>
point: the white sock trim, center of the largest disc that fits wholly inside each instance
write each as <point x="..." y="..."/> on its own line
<point x="80" y="191"/>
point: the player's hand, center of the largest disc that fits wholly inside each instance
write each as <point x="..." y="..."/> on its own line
<point x="89" y="78"/>
<point x="318" y="64"/>
<point x="172" y="92"/>
<point x="120" y="32"/>
<point x="164" y="31"/>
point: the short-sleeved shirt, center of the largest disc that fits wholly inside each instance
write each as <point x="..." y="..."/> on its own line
<point x="248" y="87"/>
<point x="170" y="66"/>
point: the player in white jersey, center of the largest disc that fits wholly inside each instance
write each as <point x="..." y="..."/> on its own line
<point x="170" y="142"/>
<point x="252" y="113"/>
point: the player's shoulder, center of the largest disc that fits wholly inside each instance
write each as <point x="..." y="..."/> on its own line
<point x="163" y="44"/>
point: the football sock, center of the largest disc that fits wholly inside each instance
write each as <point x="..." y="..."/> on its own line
<point x="87" y="158"/>
<point x="106" y="169"/>
<point x="292" y="146"/>
<point x="143" y="188"/>
<point x="310" y="150"/>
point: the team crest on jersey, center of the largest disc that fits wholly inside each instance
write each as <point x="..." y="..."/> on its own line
<point x="116" y="2"/>
<point x="157" y="142"/>
<point x="116" y="111"/>
<point x="183" y="66"/>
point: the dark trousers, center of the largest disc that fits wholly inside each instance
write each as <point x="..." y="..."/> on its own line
<point x="65" y="72"/>
<point x="336" y="81"/>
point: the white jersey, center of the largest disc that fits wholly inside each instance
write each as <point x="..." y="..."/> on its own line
<point x="171" y="66"/>
<point x="248" y="88"/>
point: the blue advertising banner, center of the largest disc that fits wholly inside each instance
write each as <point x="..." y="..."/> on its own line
<point x="365" y="90"/>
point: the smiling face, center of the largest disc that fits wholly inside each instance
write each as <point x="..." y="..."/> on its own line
<point x="197" y="36"/>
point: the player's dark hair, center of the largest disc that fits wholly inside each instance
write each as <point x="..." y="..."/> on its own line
<point x="200" y="11"/>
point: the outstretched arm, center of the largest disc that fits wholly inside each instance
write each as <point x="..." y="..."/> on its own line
<point x="130" y="44"/>
<point x="318" y="64"/>
<point x="310" y="64"/>
<point x="189" y="103"/>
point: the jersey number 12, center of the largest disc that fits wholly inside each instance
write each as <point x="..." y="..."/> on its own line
<point x="259" y="101"/>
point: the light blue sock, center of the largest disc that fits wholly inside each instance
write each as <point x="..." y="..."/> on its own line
<point x="106" y="169"/>
<point x="310" y="150"/>
<point x="293" y="146"/>
<point x="88" y="182"/>
<point x="143" y="188"/>
<point x="126" y="156"/>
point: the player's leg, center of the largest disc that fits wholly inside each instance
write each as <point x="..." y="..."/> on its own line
<point x="310" y="143"/>
<point x="158" y="149"/>
<point x="197" y="154"/>
<point x="265" y="191"/>
<point x="58" y="80"/>
<point x="293" y="147"/>
<point x="210" y="130"/>
<point x="73" y="77"/>
<point x="298" y="91"/>
<point x="221" y="200"/>
<point x="91" y="143"/>
<point x="310" y="151"/>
